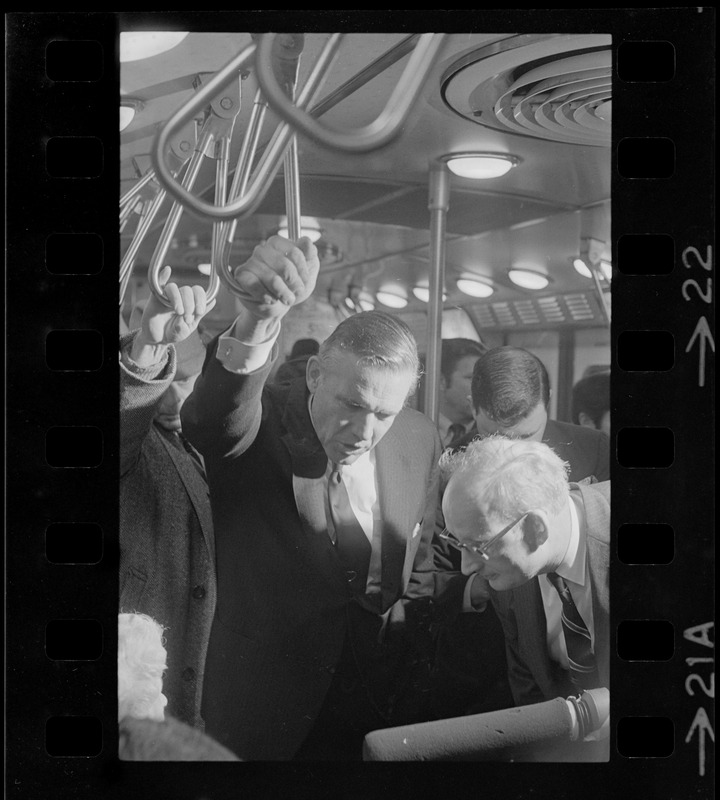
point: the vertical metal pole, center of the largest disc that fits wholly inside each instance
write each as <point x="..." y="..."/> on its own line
<point x="438" y="204"/>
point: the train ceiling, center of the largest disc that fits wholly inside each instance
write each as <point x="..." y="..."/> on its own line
<point x="542" y="98"/>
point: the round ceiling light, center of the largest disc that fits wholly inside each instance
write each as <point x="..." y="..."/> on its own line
<point x="480" y="166"/>
<point x="422" y="292"/>
<point x="581" y="267"/>
<point x="392" y="295"/>
<point x="528" y="278"/>
<point x="137" y="45"/>
<point x="127" y="114"/>
<point x="474" y="287"/>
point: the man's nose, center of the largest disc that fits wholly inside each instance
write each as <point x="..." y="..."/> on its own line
<point x="363" y="426"/>
<point x="471" y="563"/>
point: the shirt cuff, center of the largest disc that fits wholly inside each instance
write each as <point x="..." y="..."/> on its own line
<point x="243" y="358"/>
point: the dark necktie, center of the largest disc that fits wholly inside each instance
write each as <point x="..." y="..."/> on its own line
<point x="583" y="669"/>
<point x="456" y="432"/>
<point x="352" y="544"/>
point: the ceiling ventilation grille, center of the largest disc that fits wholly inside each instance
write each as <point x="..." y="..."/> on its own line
<point x="541" y="312"/>
<point x="548" y="87"/>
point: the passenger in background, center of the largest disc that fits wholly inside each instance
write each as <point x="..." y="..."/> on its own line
<point x="324" y="496"/>
<point x="543" y="546"/>
<point x="166" y="535"/>
<point x="511" y="396"/>
<point x="458" y="357"/>
<point x="295" y="364"/>
<point x="591" y="402"/>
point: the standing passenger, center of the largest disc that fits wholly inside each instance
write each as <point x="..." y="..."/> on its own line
<point x="511" y="397"/>
<point x="457" y="360"/>
<point x="305" y="592"/>
<point x="591" y="402"/>
<point x="166" y="534"/>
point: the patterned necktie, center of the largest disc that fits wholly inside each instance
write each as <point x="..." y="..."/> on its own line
<point x="583" y="669"/>
<point x="456" y="432"/>
<point x="352" y="544"/>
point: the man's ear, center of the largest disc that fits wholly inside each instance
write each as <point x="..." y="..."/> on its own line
<point x="535" y="530"/>
<point x="312" y="373"/>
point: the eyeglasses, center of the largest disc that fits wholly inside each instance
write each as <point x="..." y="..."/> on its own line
<point x="479" y="549"/>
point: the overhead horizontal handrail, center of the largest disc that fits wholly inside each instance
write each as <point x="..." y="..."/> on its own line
<point x="376" y="134"/>
<point x="270" y="162"/>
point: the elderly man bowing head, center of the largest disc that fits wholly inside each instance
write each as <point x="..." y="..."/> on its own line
<point x="542" y="544"/>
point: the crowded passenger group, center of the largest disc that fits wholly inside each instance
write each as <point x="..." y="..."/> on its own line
<point x="306" y="558"/>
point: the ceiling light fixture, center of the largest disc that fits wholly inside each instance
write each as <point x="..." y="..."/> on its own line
<point x="422" y="292"/>
<point x="137" y="45"/>
<point x="359" y="298"/>
<point x="309" y="226"/>
<point x="528" y="278"/>
<point x="581" y="267"/>
<point x="128" y="109"/>
<point x="392" y="295"/>
<point x="475" y="287"/>
<point x="591" y="261"/>
<point x="480" y="166"/>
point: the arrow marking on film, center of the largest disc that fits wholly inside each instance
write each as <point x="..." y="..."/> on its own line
<point x="701" y="332"/>
<point x="702" y="724"/>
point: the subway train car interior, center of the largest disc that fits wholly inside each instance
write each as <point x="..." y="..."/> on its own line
<point x="459" y="182"/>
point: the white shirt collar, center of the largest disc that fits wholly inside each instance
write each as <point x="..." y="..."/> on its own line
<point x="573" y="563"/>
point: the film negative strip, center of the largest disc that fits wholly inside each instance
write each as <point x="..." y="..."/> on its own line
<point x="62" y="415"/>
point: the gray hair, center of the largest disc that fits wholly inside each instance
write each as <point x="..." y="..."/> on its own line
<point x="513" y="475"/>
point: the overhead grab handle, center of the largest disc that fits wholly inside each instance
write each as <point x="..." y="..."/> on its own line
<point x="269" y="163"/>
<point x="171" y="223"/>
<point x="378" y="133"/>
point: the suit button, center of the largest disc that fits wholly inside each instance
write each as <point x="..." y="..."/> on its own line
<point x="188" y="674"/>
<point x="198" y="592"/>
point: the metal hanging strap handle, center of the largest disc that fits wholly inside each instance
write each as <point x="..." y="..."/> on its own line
<point x="244" y="205"/>
<point x="378" y="133"/>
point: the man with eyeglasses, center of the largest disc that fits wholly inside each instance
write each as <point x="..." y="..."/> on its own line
<point x="542" y="545"/>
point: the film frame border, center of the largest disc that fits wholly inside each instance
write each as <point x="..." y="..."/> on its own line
<point x="681" y="592"/>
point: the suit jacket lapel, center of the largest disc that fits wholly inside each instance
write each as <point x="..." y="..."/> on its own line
<point x="532" y="630"/>
<point x="308" y="464"/>
<point x="399" y="499"/>
<point x="197" y="491"/>
<point x="596" y="518"/>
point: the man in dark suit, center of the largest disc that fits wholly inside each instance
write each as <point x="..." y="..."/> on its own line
<point x="518" y="522"/>
<point x="297" y="662"/>
<point x="511" y="395"/>
<point x="166" y="534"/>
<point x="457" y="359"/>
